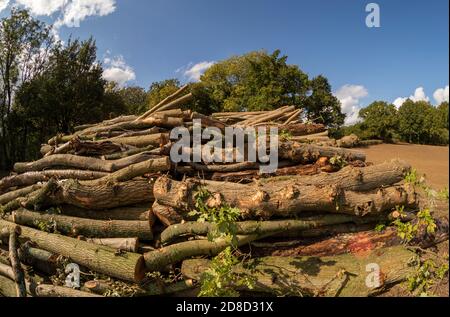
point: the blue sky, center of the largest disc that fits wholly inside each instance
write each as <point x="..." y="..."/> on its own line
<point x="141" y="41"/>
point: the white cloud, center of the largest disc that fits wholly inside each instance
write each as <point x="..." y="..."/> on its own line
<point x="72" y="12"/>
<point x="3" y="4"/>
<point x="349" y="96"/>
<point x="441" y="95"/>
<point x="42" y="7"/>
<point x="195" y="71"/>
<point x="118" y="71"/>
<point x="419" y="95"/>
<point x="77" y="10"/>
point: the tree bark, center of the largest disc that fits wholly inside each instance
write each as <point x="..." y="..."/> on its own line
<point x="45" y="290"/>
<point x="7" y="287"/>
<point x="165" y="101"/>
<point x="167" y="215"/>
<point x="159" y="259"/>
<point x="79" y="162"/>
<point x="19" y="277"/>
<point x="125" y="244"/>
<point x="266" y="117"/>
<point x="155" y="140"/>
<point x="249" y="176"/>
<point x="12" y="195"/>
<point x="140" y="212"/>
<point x="73" y="226"/>
<point x="339" y="276"/>
<point x="120" y="155"/>
<point x="164" y="121"/>
<point x="126" y="266"/>
<point x="309" y="153"/>
<point x="176" y="103"/>
<point x="97" y="196"/>
<point x="155" y="165"/>
<point x="255" y="227"/>
<point x="30" y="178"/>
<point x="39" y="259"/>
<point x="353" y="178"/>
<point x="208" y="121"/>
<point x="283" y="199"/>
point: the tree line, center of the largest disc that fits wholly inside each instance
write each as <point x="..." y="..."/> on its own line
<point x="414" y="122"/>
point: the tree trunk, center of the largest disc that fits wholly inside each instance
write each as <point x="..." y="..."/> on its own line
<point x="165" y="101"/>
<point x="39" y="259"/>
<point x="19" y="277"/>
<point x="120" y="155"/>
<point x="208" y="121"/>
<point x="248" y="176"/>
<point x="255" y="227"/>
<point x="7" y="287"/>
<point x="167" y="215"/>
<point x="176" y="103"/>
<point x="83" y="163"/>
<point x="159" y="259"/>
<point x="155" y="140"/>
<point x="30" y="178"/>
<point x="125" y="244"/>
<point x="140" y="212"/>
<point x="125" y="266"/>
<point x="338" y="276"/>
<point x="45" y="290"/>
<point x="99" y="196"/>
<point x="309" y="153"/>
<point x="12" y="195"/>
<point x="164" y="121"/>
<point x="73" y="226"/>
<point x="135" y="170"/>
<point x="283" y="199"/>
<point x="354" y="178"/>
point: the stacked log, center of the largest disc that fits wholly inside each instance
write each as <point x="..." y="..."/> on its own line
<point x="110" y="199"/>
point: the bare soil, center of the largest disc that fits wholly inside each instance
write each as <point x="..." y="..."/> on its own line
<point x="428" y="160"/>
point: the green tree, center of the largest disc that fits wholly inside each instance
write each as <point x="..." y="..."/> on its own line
<point x="380" y="120"/>
<point x="69" y="92"/>
<point x="415" y="121"/>
<point x="24" y="46"/>
<point x="261" y="81"/>
<point x="254" y="81"/>
<point x="132" y="99"/>
<point x="160" y="90"/>
<point x="442" y="115"/>
<point x="321" y="105"/>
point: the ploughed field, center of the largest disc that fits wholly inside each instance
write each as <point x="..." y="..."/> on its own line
<point x="432" y="161"/>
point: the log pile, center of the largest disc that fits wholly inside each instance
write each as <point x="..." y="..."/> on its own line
<point x="109" y="199"/>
